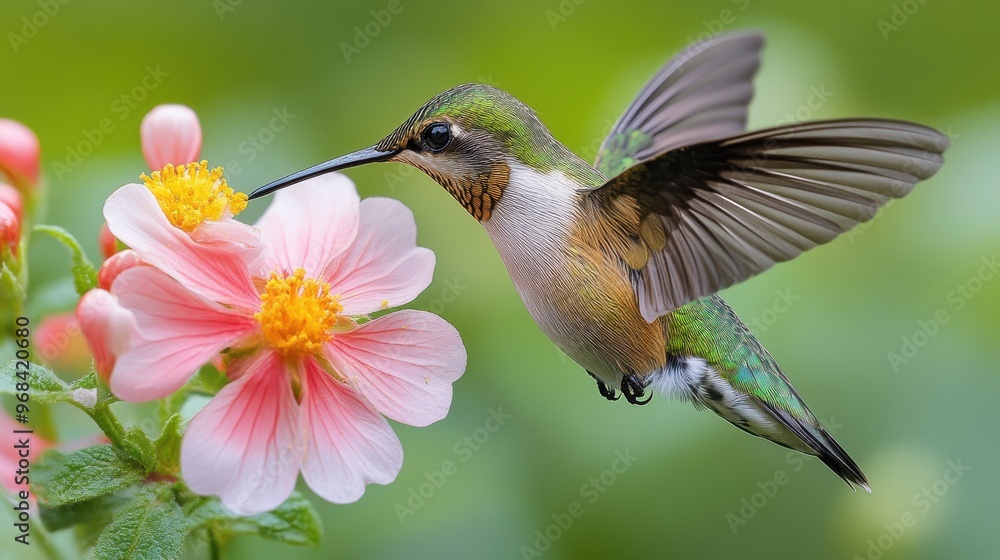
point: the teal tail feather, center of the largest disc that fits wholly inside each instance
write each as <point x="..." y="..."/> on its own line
<point x="716" y="362"/>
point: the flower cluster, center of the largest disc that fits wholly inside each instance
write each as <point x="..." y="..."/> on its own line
<point x="286" y="307"/>
<point x="19" y="172"/>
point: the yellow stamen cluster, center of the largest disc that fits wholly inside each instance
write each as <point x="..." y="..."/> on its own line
<point x="190" y="194"/>
<point x="298" y="314"/>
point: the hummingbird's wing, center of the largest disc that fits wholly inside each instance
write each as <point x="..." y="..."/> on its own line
<point x="698" y="219"/>
<point x="700" y="94"/>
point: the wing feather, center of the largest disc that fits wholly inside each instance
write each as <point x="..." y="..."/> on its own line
<point x="732" y="208"/>
<point x="701" y="94"/>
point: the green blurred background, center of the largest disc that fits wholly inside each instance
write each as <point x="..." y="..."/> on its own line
<point x="697" y="487"/>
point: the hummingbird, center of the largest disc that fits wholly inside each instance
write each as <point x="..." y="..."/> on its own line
<point x="619" y="261"/>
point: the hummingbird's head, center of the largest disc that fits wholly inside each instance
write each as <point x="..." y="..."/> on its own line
<point x="468" y="139"/>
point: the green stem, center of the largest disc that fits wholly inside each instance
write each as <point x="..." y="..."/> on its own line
<point x="109" y="424"/>
<point x="214" y="550"/>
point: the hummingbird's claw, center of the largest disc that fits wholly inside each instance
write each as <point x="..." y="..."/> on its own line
<point x="606" y="391"/>
<point x="633" y="389"/>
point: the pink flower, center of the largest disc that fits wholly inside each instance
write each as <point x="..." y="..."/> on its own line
<point x="181" y="222"/>
<point x="10" y="457"/>
<point x="19" y="153"/>
<point x="107" y="242"/>
<point x="312" y="375"/>
<point x="171" y="134"/>
<point x="10" y="218"/>
<point x="115" y="265"/>
<point x="107" y="327"/>
<point x="61" y="344"/>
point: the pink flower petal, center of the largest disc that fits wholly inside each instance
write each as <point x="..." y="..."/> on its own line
<point x="61" y="344"/>
<point x="170" y="134"/>
<point x="107" y="327"/>
<point x="384" y="267"/>
<point x="107" y="242"/>
<point x="348" y="445"/>
<point x="212" y="261"/>
<point x="310" y="225"/>
<point x="178" y="332"/>
<point x="403" y="363"/>
<point x="10" y="228"/>
<point x="244" y="445"/>
<point x="11" y="197"/>
<point x="115" y="265"/>
<point x="19" y="152"/>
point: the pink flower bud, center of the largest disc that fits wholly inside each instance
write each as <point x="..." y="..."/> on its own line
<point x="107" y="242"/>
<point x="10" y="217"/>
<point x="12" y="198"/>
<point x="115" y="265"/>
<point x="108" y="328"/>
<point x="10" y="457"/>
<point x="61" y="344"/>
<point x="170" y="134"/>
<point x="19" y="152"/>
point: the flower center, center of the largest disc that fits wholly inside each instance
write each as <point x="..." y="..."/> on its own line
<point x="298" y="314"/>
<point x="190" y="194"/>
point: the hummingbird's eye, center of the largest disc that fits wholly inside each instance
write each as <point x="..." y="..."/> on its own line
<point x="437" y="136"/>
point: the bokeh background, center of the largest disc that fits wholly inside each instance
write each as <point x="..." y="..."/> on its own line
<point x="696" y="488"/>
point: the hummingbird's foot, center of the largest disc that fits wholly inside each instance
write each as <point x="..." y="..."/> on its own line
<point x="633" y="389"/>
<point x="606" y="392"/>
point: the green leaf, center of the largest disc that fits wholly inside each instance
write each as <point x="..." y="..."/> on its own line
<point x="168" y="445"/>
<point x="88" y="381"/>
<point x="143" y="445"/>
<point x="43" y="385"/>
<point x="84" y="475"/>
<point x="209" y="380"/>
<point x="41" y="378"/>
<point x="294" y="522"/>
<point x="96" y="512"/>
<point x="84" y="273"/>
<point x="151" y="527"/>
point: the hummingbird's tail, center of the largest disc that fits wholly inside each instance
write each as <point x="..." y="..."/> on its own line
<point x="716" y="362"/>
<point x="819" y="442"/>
<point x="833" y="456"/>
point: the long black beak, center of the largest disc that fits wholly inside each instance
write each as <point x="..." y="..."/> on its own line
<point x="360" y="157"/>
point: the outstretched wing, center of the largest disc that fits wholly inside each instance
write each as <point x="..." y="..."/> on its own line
<point x="700" y="218"/>
<point x="701" y="94"/>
